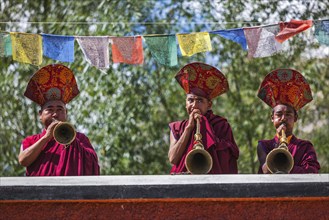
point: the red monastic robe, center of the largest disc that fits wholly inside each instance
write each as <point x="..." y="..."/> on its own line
<point x="77" y="159"/>
<point x="305" y="160"/>
<point x="218" y="140"/>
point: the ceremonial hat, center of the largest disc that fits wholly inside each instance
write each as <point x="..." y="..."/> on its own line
<point x="202" y="79"/>
<point x="285" y="86"/>
<point x="52" y="82"/>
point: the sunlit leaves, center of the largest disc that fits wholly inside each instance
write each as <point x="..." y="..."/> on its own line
<point x="125" y="110"/>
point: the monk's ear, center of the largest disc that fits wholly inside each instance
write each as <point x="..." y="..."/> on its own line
<point x="66" y="111"/>
<point x="209" y="104"/>
<point x="40" y="113"/>
<point x="296" y="117"/>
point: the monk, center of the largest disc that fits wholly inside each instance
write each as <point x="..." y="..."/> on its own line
<point x="52" y="87"/>
<point x="202" y="83"/>
<point x="286" y="91"/>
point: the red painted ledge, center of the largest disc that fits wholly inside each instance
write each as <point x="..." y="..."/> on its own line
<point x="205" y="208"/>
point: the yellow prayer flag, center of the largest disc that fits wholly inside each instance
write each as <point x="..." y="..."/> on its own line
<point x="192" y="43"/>
<point x="27" y="48"/>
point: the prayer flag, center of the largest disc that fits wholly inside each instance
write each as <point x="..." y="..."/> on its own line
<point x="236" y="35"/>
<point x="261" y="41"/>
<point x="193" y="43"/>
<point x="163" y="48"/>
<point x="5" y="45"/>
<point x="27" y="48"/>
<point x="289" y="29"/>
<point x="58" y="47"/>
<point x="96" y="50"/>
<point x="127" y="50"/>
<point x="322" y="32"/>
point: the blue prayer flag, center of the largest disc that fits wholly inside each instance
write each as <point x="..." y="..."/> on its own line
<point x="236" y="35"/>
<point x="58" y="47"/>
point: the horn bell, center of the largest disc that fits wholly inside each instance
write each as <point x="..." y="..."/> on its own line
<point x="64" y="133"/>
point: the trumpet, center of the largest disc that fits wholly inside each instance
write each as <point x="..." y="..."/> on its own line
<point x="64" y="133"/>
<point x="198" y="160"/>
<point x="280" y="160"/>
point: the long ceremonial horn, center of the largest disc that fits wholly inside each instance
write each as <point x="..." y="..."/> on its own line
<point x="198" y="160"/>
<point x="280" y="160"/>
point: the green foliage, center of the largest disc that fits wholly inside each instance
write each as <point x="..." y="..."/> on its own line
<point x="125" y="111"/>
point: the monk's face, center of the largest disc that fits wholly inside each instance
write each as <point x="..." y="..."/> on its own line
<point x="284" y="118"/>
<point x="52" y="110"/>
<point x="197" y="102"/>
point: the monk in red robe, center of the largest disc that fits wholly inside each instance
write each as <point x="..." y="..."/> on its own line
<point x="286" y="91"/>
<point x="52" y="87"/>
<point x="202" y="83"/>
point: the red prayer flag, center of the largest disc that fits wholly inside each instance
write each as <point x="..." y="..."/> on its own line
<point x="289" y="29"/>
<point x="127" y="50"/>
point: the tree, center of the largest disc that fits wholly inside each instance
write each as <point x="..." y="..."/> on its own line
<point x="126" y="110"/>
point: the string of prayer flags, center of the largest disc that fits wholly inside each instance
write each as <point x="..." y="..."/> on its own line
<point x="5" y="45"/>
<point x="289" y="29"/>
<point x="58" y="47"/>
<point x="96" y="50"/>
<point x="193" y="43"/>
<point x="321" y="32"/>
<point x="163" y="48"/>
<point x="236" y="35"/>
<point x="27" y="48"/>
<point x="261" y="41"/>
<point x="127" y="50"/>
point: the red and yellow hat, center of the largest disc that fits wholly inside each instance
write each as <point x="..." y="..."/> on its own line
<point x="285" y="86"/>
<point x="52" y="82"/>
<point x="202" y="79"/>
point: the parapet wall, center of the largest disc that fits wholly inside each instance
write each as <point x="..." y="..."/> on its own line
<point x="304" y="196"/>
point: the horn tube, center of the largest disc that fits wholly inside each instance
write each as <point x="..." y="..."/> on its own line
<point x="280" y="160"/>
<point x="198" y="160"/>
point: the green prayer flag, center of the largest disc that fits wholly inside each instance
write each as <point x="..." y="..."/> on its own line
<point x="322" y="32"/>
<point x="163" y="48"/>
<point x="5" y="45"/>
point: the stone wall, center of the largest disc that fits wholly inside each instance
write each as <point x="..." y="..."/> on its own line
<point x="166" y="197"/>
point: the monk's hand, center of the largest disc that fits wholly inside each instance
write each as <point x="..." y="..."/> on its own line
<point x="280" y="128"/>
<point x="50" y="129"/>
<point x="196" y="113"/>
<point x="265" y="169"/>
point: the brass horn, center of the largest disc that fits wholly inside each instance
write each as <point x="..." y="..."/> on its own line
<point x="64" y="133"/>
<point x="280" y="160"/>
<point x="198" y="160"/>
